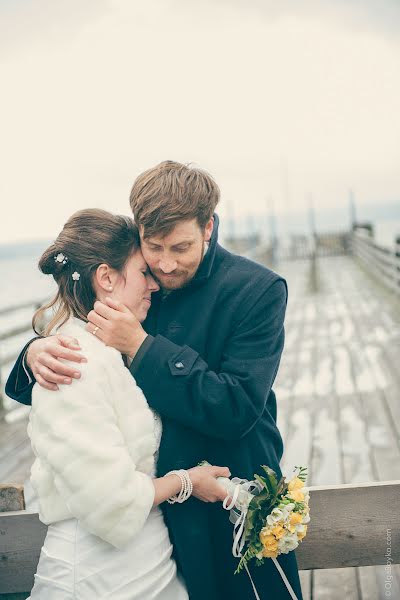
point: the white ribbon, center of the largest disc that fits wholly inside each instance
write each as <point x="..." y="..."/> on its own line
<point x="240" y="493"/>
<point x="286" y="582"/>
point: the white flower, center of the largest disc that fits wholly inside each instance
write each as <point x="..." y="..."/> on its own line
<point x="287" y="543"/>
<point x="300" y="528"/>
<point x="60" y="258"/>
<point x="275" y="516"/>
<point x="306" y="518"/>
<point x="286" y="510"/>
<point x="76" y="276"/>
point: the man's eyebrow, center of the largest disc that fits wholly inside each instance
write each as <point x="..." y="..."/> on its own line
<point x="182" y="243"/>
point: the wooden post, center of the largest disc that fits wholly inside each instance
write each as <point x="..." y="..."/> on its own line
<point x="314" y="250"/>
<point x="11" y="497"/>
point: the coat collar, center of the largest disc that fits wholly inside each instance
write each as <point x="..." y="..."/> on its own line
<point x="206" y="265"/>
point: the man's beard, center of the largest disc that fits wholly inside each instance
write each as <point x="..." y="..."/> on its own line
<point x="183" y="280"/>
<point x="183" y="276"/>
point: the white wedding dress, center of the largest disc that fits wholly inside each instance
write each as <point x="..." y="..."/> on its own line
<point x="75" y="564"/>
<point x="89" y="470"/>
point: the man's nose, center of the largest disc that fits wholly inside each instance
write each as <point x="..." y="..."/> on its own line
<point x="167" y="266"/>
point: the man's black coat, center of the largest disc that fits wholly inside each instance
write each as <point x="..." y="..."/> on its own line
<point x="207" y="368"/>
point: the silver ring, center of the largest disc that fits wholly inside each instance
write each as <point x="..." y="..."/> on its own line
<point x="95" y="330"/>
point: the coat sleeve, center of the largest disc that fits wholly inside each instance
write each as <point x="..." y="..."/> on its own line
<point x="19" y="385"/>
<point x="226" y="404"/>
<point x="75" y="432"/>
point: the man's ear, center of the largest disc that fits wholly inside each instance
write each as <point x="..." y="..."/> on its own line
<point x="208" y="230"/>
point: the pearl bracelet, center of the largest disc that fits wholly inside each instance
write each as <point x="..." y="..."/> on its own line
<point x="186" y="487"/>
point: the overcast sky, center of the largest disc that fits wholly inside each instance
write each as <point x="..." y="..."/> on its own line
<point x="277" y="100"/>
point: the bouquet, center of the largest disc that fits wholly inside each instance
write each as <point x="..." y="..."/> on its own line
<point x="270" y="517"/>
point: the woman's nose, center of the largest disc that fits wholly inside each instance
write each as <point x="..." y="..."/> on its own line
<point x="167" y="266"/>
<point x="152" y="284"/>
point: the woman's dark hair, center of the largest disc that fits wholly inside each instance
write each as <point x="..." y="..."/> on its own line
<point x="89" y="238"/>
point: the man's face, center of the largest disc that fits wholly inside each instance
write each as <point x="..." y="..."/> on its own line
<point x="175" y="258"/>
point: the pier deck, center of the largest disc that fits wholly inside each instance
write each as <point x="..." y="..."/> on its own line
<point x="338" y="393"/>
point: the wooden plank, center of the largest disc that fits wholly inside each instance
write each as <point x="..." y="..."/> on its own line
<point x="17" y="465"/>
<point x="11" y="309"/>
<point x="332" y="584"/>
<point x="332" y="383"/>
<point x="349" y="526"/>
<point x="306" y="584"/>
<point x="21" y="538"/>
<point x="11" y="497"/>
<point x="13" y="332"/>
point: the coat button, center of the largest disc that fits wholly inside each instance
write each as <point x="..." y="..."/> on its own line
<point x="179" y="365"/>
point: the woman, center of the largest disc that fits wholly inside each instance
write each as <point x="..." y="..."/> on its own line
<point x="95" y="442"/>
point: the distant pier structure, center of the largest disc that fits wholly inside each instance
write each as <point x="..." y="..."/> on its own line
<point x="338" y="384"/>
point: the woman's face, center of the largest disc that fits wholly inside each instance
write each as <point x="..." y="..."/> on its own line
<point x="135" y="286"/>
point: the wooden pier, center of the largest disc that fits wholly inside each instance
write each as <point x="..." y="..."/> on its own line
<point x="338" y="394"/>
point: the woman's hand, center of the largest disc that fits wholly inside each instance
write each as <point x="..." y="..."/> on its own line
<point x="43" y="358"/>
<point x="205" y="484"/>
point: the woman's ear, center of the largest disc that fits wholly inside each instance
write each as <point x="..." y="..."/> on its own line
<point x="105" y="278"/>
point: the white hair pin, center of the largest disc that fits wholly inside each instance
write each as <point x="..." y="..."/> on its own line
<point x="61" y="258"/>
<point x="76" y="276"/>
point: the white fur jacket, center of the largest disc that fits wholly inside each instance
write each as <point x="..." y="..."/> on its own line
<point x="94" y="442"/>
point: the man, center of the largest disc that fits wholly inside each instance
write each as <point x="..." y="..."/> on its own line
<point x="206" y="359"/>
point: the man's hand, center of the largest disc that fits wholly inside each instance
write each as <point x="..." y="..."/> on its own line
<point x="205" y="484"/>
<point x="116" y="326"/>
<point x="45" y="360"/>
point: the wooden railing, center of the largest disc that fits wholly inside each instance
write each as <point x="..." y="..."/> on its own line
<point x="351" y="525"/>
<point x="383" y="262"/>
<point x="24" y="327"/>
<point x="317" y="245"/>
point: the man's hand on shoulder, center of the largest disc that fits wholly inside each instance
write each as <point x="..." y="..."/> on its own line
<point x="116" y="326"/>
<point x="45" y="359"/>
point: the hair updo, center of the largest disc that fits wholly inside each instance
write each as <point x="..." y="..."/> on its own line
<point x="89" y="238"/>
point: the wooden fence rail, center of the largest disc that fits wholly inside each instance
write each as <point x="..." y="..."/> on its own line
<point x="351" y="525"/>
<point x="383" y="262"/>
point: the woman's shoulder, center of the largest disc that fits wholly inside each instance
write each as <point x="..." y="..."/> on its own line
<point x="104" y="368"/>
<point x="94" y="350"/>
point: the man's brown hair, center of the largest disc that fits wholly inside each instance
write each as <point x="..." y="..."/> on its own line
<point x="172" y="192"/>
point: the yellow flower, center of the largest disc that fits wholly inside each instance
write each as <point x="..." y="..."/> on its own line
<point x="301" y="534"/>
<point x="269" y="541"/>
<point x="296" y="495"/>
<point x="295" y="484"/>
<point x="295" y="518"/>
<point x="267" y="553"/>
<point x="265" y="534"/>
<point x="278" y="531"/>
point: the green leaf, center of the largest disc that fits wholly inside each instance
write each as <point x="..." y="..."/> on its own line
<point x="261" y="480"/>
<point x="271" y="479"/>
